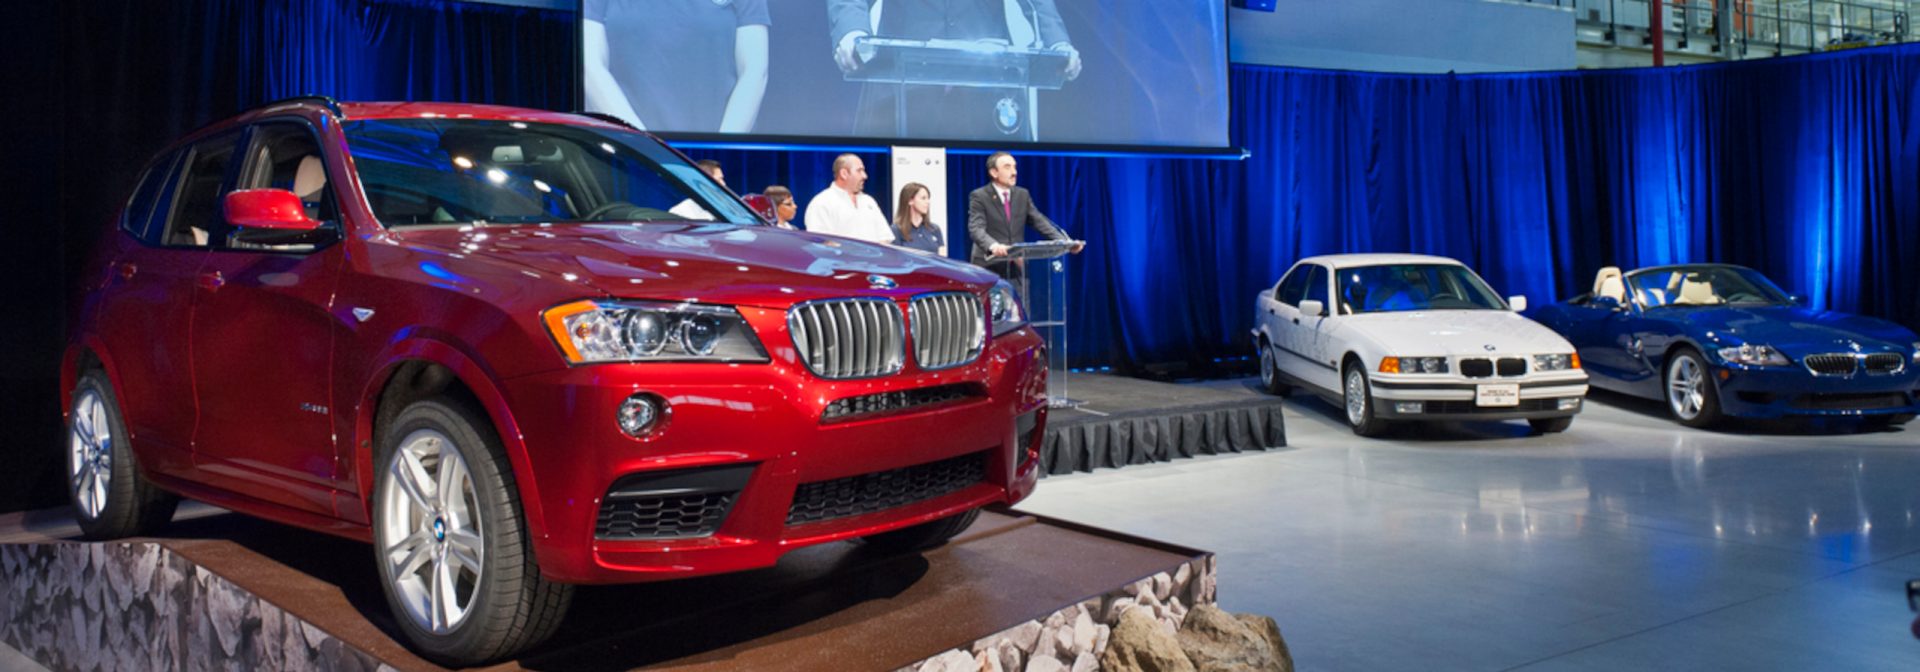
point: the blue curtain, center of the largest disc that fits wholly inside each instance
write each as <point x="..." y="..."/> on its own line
<point x="1807" y="169"/>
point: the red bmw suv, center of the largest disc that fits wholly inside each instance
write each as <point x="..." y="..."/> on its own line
<point x="477" y="338"/>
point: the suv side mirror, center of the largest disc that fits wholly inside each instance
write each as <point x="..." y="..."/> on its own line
<point x="1313" y="308"/>
<point x="273" y="217"/>
<point x="276" y="209"/>
<point x="1518" y="303"/>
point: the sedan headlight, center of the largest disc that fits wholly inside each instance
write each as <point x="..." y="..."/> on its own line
<point x="634" y="331"/>
<point x="1556" y="362"/>
<point x="1754" y="355"/>
<point x="1413" y="365"/>
<point x="1005" y="308"/>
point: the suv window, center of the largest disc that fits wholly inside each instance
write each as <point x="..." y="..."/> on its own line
<point x="197" y="213"/>
<point x="1317" y="286"/>
<point x="1294" y="286"/>
<point x="448" y="171"/>
<point x="138" y="218"/>
<point x="285" y="155"/>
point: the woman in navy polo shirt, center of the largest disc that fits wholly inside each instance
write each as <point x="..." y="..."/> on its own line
<point x="913" y="226"/>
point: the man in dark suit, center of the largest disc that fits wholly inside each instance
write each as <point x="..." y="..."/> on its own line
<point x="940" y="112"/>
<point x="998" y="215"/>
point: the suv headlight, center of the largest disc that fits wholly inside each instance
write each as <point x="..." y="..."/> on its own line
<point x="1754" y="355"/>
<point x="1413" y="365"/>
<point x="1556" y="362"/>
<point x="1004" y="306"/>
<point x="634" y="331"/>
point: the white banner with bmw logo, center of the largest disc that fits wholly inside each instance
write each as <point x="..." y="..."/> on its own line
<point x="928" y="166"/>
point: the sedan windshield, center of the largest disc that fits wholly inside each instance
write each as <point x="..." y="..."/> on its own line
<point x="458" y="171"/>
<point x="1404" y="287"/>
<point x="1682" y="286"/>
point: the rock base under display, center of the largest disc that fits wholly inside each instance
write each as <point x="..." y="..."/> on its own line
<point x="140" y="606"/>
<point x="224" y="591"/>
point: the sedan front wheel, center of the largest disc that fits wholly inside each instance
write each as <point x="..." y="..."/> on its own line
<point x="1359" y="398"/>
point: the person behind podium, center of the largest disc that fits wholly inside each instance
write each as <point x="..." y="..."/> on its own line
<point x="998" y="215"/>
<point x="843" y="210"/>
<point x="913" y="221"/>
<point x="935" y="111"/>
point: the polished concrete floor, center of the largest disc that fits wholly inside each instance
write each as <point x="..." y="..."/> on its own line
<point x="1627" y="543"/>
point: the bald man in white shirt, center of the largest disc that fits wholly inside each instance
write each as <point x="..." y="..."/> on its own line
<point x="843" y="210"/>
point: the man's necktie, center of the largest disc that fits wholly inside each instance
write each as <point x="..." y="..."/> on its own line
<point x="1006" y="205"/>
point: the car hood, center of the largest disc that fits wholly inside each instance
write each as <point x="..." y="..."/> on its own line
<point x="1456" y="332"/>
<point x="706" y="262"/>
<point x="1794" y="330"/>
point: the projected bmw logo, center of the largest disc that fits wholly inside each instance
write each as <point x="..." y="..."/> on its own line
<point x="1007" y="114"/>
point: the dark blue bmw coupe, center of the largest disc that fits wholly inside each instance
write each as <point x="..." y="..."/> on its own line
<point x="1716" y="340"/>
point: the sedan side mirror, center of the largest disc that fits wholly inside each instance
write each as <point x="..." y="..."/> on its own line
<point x="1313" y="308"/>
<point x="276" y="209"/>
<point x="1519" y="303"/>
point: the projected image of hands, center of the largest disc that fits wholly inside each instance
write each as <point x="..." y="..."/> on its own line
<point x="1067" y="72"/>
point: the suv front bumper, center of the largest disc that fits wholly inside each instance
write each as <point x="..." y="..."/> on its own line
<point x="765" y="420"/>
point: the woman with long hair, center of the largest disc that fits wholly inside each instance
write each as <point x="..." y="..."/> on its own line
<point x="913" y="221"/>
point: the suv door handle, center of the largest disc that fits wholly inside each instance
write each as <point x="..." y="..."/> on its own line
<point x="212" y="280"/>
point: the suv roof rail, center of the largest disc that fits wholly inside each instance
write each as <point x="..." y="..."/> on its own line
<point x="325" y="101"/>
<point x="609" y="119"/>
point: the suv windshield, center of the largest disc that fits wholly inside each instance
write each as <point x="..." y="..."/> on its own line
<point x="458" y="171"/>
<point x="1404" y="287"/>
<point x="1704" y="286"/>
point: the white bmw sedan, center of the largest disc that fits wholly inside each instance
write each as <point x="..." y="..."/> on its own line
<point x="1394" y="337"/>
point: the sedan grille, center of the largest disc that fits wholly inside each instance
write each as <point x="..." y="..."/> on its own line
<point x="1834" y="364"/>
<point x="949" y="329"/>
<point x="1513" y="366"/>
<point x="848" y="338"/>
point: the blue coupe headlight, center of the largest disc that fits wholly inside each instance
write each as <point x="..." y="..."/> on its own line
<point x="1916" y="352"/>
<point x="1754" y="355"/>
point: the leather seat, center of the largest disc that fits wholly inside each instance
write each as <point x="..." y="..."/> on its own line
<point x="1608" y="282"/>
<point x="1695" y="292"/>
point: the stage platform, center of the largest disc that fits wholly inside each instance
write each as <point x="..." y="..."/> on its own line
<point x="1124" y="421"/>
<point x="224" y="591"/>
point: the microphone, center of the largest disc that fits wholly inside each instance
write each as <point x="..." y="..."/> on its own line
<point x="1033" y="14"/>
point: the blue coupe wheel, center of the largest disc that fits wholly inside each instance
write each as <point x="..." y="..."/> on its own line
<point x="1691" y="394"/>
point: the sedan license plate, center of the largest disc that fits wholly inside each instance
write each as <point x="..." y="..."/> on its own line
<point x="1497" y="395"/>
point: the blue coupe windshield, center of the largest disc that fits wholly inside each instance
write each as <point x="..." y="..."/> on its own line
<point x="456" y="171"/>
<point x="1683" y="286"/>
<point x="1405" y="287"/>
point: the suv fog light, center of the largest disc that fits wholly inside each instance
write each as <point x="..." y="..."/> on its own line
<point x="640" y="414"/>
<point x="1569" y="403"/>
<point x="1409" y="406"/>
